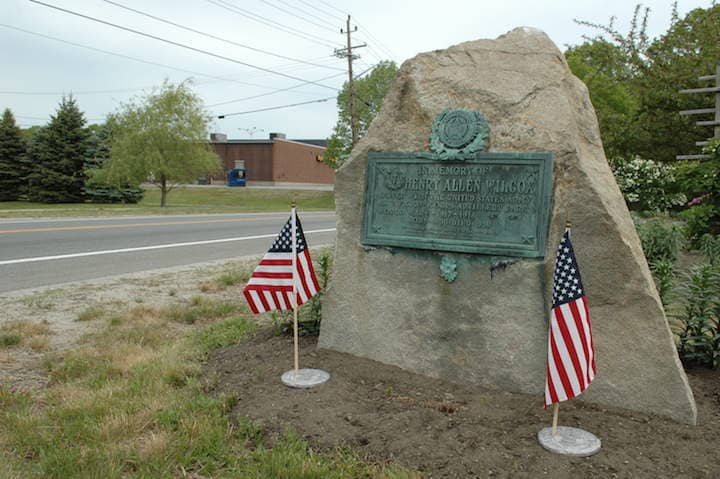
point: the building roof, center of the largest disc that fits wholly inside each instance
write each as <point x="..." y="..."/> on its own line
<point x="247" y="142"/>
<point x="266" y="141"/>
<point x="322" y="143"/>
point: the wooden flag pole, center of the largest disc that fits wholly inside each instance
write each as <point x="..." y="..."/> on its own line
<point x="567" y="440"/>
<point x="294" y="303"/>
<point x="306" y="377"/>
<point x="556" y="406"/>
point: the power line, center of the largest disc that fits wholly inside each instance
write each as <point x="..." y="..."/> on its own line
<point x="271" y="23"/>
<point x="177" y="44"/>
<point x="306" y="12"/>
<point x="334" y="8"/>
<point x="311" y="22"/>
<point x="334" y="17"/>
<point x="269" y="93"/>
<point x="73" y="92"/>
<point x="276" y="107"/>
<point x="372" y="50"/>
<point x="128" y="57"/>
<point x="215" y="37"/>
<point x="380" y="44"/>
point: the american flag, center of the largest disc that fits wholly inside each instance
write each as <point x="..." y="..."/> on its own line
<point x="271" y="285"/>
<point x="571" y="354"/>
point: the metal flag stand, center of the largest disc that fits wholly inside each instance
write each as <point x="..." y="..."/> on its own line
<point x="296" y="377"/>
<point x="569" y="441"/>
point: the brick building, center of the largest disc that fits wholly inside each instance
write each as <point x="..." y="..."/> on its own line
<point x="274" y="160"/>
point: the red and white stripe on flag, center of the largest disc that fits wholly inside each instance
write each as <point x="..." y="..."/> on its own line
<point x="571" y="353"/>
<point x="270" y="287"/>
<point x="272" y="284"/>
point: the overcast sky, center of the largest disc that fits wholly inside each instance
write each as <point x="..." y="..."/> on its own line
<point x="36" y="70"/>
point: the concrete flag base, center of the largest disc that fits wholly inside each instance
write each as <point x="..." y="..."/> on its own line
<point x="569" y="441"/>
<point x="305" y="378"/>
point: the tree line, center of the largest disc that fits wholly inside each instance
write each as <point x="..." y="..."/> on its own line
<point x="54" y="163"/>
<point x="161" y="138"/>
<point x="633" y="81"/>
<point x="634" y="84"/>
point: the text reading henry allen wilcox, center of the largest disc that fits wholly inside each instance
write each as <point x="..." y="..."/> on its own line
<point x="494" y="205"/>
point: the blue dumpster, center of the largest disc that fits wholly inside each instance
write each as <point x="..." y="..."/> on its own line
<point x="236" y="177"/>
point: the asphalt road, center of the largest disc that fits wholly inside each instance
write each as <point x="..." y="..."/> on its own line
<point x="43" y="252"/>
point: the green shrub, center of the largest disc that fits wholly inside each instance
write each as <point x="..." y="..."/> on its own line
<point x="660" y="240"/>
<point x="694" y="178"/>
<point x="96" y="192"/>
<point x="647" y="184"/>
<point x="702" y="182"/>
<point x="698" y="220"/>
<point x="699" y="336"/>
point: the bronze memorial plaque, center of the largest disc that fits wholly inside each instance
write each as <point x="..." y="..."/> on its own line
<point x="458" y="199"/>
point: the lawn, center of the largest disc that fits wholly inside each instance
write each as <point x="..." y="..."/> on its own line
<point x="182" y="200"/>
<point x="131" y="399"/>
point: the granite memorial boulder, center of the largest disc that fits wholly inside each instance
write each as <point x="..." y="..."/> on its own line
<point x="448" y="214"/>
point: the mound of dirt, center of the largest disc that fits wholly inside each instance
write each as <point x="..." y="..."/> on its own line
<point x="447" y="430"/>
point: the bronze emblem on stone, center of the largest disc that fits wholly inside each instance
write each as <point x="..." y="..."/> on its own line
<point x="458" y="133"/>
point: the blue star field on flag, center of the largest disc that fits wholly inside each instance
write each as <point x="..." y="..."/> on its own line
<point x="283" y="242"/>
<point x="567" y="284"/>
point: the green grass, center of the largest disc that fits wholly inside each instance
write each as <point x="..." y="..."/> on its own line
<point x="183" y="200"/>
<point x="24" y="332"/>
<point x="198" y="309"/>
<point x="9" y="339"/>
<point x="231" y="278"/>
<point x="91" y="313"/>
<point x="130" y="401"/>
<point x="45" y="300"/>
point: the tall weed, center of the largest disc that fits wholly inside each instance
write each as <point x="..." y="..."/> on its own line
<point x="699" y="336"/>
<point x="310" y="313"/>
<point x="710" y="247"/>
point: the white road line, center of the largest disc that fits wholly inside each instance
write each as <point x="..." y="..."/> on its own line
<point x="146" y="248"/>
<point x="76" y="219"/>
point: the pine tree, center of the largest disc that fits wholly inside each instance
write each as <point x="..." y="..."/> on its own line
<point x="12" y="158"/>
<point x="97" y="188"/>
<point x="58" y="153"/>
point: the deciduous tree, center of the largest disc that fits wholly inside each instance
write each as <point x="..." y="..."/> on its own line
<point x="369" y="94"/>
<point x="634" y="81"/>
<point x="162" y="138"/>
<point x="604" y="69"/>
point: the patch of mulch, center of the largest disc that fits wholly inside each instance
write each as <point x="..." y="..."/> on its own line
<point x="445" y="430"/>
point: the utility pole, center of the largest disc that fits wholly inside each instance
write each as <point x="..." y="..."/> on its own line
<point x="347" y="52"/>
